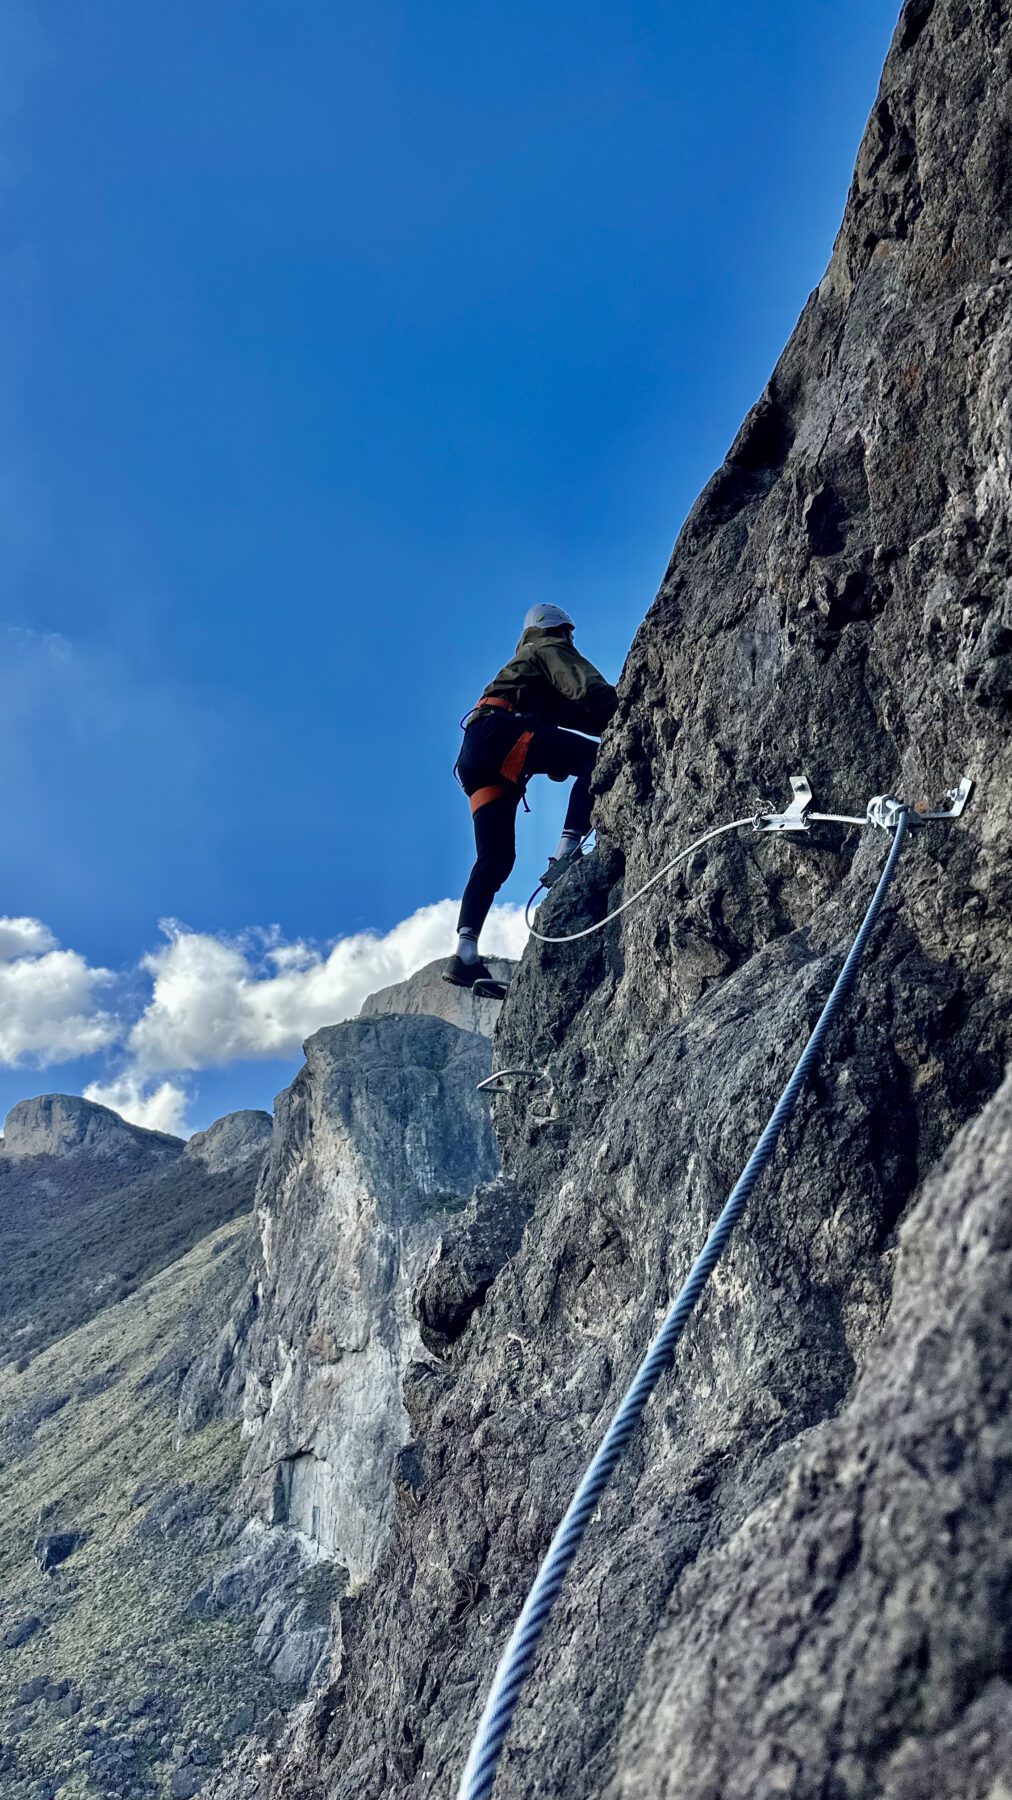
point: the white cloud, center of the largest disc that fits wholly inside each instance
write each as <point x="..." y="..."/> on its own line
<point x="48" y="1006"/>
<point x="216" y="1000"/>
<point x="213" y="1000"/>
<point x="160" y="1109"/>
<point x="24" y="937"/>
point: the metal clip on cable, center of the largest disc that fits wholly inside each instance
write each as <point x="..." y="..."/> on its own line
<point x="797" y="816"/>
<point x="884" y="809"/>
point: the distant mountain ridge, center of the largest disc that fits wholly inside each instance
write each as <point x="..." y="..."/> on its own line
<point x="91" y="1205"/>
<point x="64" y="1124"/>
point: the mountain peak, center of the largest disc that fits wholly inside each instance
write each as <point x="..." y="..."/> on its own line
<point x="63" y="1124"/>
<point x="231" y="1141"/>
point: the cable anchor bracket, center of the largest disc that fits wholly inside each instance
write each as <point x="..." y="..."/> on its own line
<point x="793" y="819"/>
<point x="884" y="809"/>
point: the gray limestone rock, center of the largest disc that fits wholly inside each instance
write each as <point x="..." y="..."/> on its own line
<point x="31" y="1691"/>
<point x="799" y="1582"/>
<point x="270" y="1565"/>
<point x="377" y="1145"/>
<point x="294" y="1645"/>
<point x="215" y="1381"/>
<point x="466" y="1261"/>
<point x="427" y="992"/>
<point x="66" y="1125"/>
<point x="187" y="1781"/>
<point x="232" y="1141"/>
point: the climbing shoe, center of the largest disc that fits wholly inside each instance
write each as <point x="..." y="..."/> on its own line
<point x="467" y="974"/>
<point x="557" y="865"/>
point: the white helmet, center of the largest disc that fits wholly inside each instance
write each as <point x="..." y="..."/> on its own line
<point x="548" y="618"/>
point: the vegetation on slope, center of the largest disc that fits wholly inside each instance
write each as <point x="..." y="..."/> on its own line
<point x="119" y="1685"/>
<point x="77" y="1234"/>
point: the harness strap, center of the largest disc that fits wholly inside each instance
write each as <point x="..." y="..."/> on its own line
<point x="482" y="796"/>
<point x="513" y="766"/>
<point x="479" y="705"/>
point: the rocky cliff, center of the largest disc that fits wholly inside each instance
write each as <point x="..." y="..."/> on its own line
<point x="169" y="1580"/>
<point x="379" y="1142"/>
<point x="799" y="1583"/>
<point x="231" y="1142"/>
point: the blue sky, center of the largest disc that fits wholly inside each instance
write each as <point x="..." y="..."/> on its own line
<point x="336" y="336"/>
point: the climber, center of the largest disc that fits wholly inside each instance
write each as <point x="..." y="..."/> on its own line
<point x="526" y="723"/>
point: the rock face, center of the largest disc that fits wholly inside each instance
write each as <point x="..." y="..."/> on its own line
<point x="64" y="1125"/>
<point x="799" y="1582"/>
<point x="232" y="1141"/>
<point x="874" y="1577"/>
<point x="427" y="992"/>
<point x="377" y="1144"/>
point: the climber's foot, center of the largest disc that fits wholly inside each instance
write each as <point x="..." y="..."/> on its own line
<point x="557" y="865"/>
<point x="467" y="974"/>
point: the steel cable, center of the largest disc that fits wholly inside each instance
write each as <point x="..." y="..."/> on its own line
<point x="517" y="1660"/>
<point x="573" y="936"/>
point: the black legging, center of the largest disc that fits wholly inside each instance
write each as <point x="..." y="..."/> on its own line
<point x="553" y="752"/>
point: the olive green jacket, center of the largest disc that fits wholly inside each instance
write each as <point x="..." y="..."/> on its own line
<point x="547" y="677"/>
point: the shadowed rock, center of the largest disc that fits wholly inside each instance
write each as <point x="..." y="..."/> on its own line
<point x="53" y="1548"/>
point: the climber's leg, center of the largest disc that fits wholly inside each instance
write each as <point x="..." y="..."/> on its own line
<point x="495" y="843"/>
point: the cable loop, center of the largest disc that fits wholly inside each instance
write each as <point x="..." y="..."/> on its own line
<point x="573" y="937"/>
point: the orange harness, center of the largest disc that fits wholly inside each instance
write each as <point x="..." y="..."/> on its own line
<point x="482" y="796"/>
<point x="513" y="765"/>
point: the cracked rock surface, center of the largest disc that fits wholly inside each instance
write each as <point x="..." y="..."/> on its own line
<point x="799" y="1583"/>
